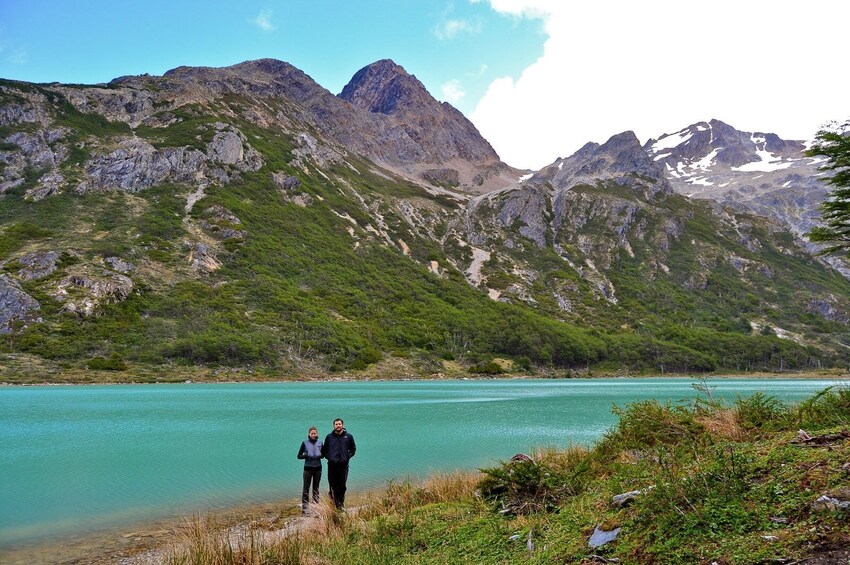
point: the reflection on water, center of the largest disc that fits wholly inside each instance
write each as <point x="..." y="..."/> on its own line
<point x="75" y="459"/>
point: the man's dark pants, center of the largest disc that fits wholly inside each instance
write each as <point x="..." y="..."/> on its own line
<point x="337" y="477"/>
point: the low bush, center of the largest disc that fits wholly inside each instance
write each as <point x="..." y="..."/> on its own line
<point x="829" y="407"/>
<point x="112" y="363"/>
<point x="760" y="412"/>
<point x="488" y="368"/>
<point x="526" y="485"/>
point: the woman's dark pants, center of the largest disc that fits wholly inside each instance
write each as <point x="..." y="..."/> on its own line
<point x="311" y="475"/>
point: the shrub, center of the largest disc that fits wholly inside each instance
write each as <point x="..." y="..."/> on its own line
<point x="760" y="412"/>
<point x="113" y="363"/>
<point x="523" y="363"/>
<point x="648" y="424"/>
<point x="829" y="407"/>
<point x="489" y="368"/>
<point x="526" y="485"/>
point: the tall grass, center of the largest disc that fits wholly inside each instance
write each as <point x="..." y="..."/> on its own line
<point x="204" y="541"/>
<point x="208" y="541"/>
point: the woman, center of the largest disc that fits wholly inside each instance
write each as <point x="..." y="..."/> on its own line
<point x="311" y="452"/>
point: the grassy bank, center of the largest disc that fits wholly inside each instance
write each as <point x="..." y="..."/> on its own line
<point x="24" y="369"/>
<point x="736" y="483"/>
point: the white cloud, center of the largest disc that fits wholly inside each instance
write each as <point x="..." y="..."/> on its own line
<point x="451" y="28"/>
<point x="452" y="91"/>
<point x="264" y="21"/>
<point x="657" y="66"/>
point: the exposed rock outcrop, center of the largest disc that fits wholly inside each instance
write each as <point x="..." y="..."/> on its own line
<point x="222" y="223"/>
<point x="15" y="304"/>
<point x="286" y="182"/>
<point x="119" y="265"/>
<point x="130" y="105"/>
<point x="137" y="165"/>
<point x="40" y="152"/>
<point x="442" y="177"/>
<point x="37" y="265"/>
<point x="83" y="292"/>
<point x="202" y="258"/>
<point x="21" y="106"/>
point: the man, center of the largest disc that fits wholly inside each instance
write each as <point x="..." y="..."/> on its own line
<point x="337" y="449"/>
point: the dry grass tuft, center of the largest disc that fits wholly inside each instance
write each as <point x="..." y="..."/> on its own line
<point x="450" y="487"/>
<point x="325" y="520"/>
<point x="559" y="457"/>
<point x="204" y="541"/>
<point x="722" y="423"/>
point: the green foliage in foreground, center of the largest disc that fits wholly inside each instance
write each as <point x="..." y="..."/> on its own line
<point x="834" y="144"/>
<point x="709" y="494"/>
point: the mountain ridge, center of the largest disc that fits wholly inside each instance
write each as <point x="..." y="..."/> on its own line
<point x="247" y="216"/>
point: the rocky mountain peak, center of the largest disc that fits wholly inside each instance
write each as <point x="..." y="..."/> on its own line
<point x="385" y="88"/>
<point x="621" y="159"/>
<point x="758" y="173"/>
<point x="444" y="135"/>
<point x="719" y="142"/>
<point x="246" y="69"/>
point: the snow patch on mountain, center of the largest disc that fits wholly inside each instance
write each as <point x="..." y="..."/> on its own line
<point x="767" y="161"/>
<point x="672" y="140"/>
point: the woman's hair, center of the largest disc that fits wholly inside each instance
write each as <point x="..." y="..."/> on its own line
<point x="311" y="428"/>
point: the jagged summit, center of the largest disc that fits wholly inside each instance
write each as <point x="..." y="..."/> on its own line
<point x="721" y="143"/>
<point x="383" y="87"/>
<point x="621" y="158"/>
<point x="384" y="114"/>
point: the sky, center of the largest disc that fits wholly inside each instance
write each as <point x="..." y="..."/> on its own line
<point x="538" y="78"/>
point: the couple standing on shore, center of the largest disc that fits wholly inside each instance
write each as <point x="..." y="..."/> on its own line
<point x="337" y="449"/>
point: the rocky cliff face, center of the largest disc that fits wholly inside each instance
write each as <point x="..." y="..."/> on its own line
<point x="137" y="164"/>
<point x="15" y="304"/>
<point x="588" y="208"/>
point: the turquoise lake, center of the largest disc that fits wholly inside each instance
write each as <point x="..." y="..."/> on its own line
<point x="76" y="459"/>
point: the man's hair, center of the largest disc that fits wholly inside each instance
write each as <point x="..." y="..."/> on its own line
<point x="338" y="420"/>
<point x="311" y="428"/>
